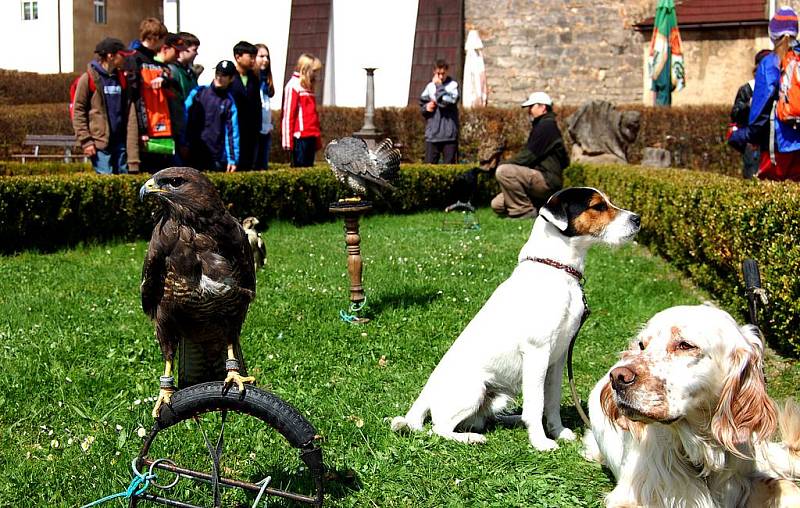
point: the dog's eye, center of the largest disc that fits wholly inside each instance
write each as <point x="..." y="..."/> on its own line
<point x="641" y="345"/>
<point x="686" y="346"/>
<point x="600" y="207"/>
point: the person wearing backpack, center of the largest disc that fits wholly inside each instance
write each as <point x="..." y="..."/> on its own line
<point x="740" y="114"/>
<point x="778" y="139"/>
<point x="100" y="109"/>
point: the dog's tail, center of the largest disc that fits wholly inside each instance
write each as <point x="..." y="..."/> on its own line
<point x="784" y="458"/>
<point x="414" y="419"/>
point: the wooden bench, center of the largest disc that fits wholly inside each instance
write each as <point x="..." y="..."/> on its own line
<point x="68" y="143"/>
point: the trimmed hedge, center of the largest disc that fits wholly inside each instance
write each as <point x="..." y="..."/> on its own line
<point x="34" y="88"/>
<point x="50" y="212"/>
<point x="695" y="134"/>
<point x="706" y="224"/>
<point x="43" y="168"/>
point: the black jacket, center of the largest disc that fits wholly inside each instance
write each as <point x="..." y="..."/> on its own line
<point x="248" y="104"/>
<point x="544" y="151"/>
<point x="740" y="112"/>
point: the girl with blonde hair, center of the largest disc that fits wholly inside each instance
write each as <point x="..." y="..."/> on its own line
<point x="300" y="130"/>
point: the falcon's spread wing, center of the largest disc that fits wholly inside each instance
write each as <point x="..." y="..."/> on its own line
<point x="198" y="277"/>
<point x="360" y="168"/>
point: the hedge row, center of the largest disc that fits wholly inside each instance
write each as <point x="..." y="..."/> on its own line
<point x="707" y="224"/>
<point x="12" y="168"/>
<point x="50" y="212"/>
<point x="693" y="134"/>
<point x="34" y="88"/>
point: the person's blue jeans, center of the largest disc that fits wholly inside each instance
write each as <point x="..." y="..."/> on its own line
<point x="304" y="151"/>
<point x="264" y="145"/>
<point x="112" y="160"/>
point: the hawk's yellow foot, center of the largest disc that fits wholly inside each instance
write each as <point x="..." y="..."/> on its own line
<point x="235" y="377"/>
<point x="164" y="396"/>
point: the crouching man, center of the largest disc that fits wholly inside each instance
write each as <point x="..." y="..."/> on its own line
<point x="535" y="173"/>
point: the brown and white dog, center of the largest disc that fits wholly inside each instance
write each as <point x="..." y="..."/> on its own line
<point x="518" y="341"/>
<point x="683" y="419"/>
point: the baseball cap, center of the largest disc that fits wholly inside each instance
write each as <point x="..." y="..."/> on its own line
<point x="538" y="98"/>
<point x="175" y="41"/>
<point x="111" y="45"/>
<point x="225" y="68"/>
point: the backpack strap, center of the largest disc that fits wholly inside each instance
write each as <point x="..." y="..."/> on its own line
<point x="772" y="134"/>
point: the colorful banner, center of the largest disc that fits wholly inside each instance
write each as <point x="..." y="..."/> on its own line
<point x="665" y="63"/>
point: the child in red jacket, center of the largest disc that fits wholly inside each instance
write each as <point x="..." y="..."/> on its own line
<point x="300" y="131"/>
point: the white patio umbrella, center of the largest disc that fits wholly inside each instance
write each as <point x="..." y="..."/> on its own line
<point x="474" y="90"/>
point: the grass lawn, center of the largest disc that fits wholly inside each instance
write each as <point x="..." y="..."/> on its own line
<point x="79" y="364"/>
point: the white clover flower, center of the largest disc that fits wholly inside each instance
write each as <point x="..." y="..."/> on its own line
<point x="87" y="443"/>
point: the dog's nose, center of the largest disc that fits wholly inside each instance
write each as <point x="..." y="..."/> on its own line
<point x="622" y="378"/>
<point x="636" y="220"/>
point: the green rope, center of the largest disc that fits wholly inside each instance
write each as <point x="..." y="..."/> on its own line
<point x="137" y="486"/>
<point x="351" y="317"/>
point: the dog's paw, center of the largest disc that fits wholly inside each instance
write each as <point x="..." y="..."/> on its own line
<point x="399" y="424"/>
<point x="566" y="435"/>
<point x="544" y="444"/>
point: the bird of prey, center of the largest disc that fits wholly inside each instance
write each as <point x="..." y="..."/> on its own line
<point x="197" y="282"/>
<point x="256" y="243"/>
<point x="363" y="170"/>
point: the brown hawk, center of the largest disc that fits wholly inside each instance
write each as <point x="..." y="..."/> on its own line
<point x="197" y="282"/>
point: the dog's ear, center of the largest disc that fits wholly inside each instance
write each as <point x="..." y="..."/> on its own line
<point x="555" y="212"/>
<point x="744" y="408"/>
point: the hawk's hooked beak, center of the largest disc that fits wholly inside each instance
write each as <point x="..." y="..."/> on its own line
<point x="149" y="186"/>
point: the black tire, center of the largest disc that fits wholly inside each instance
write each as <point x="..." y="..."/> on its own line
<point x="207" y="397"/>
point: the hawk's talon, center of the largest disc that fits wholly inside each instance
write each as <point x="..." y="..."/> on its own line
<point x="164" y="396"/>
<point x="234" y="377"/>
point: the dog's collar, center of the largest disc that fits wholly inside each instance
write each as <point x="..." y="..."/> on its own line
<point x="555" y="264"/>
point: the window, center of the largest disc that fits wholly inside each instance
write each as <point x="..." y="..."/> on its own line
<point x="30" y="11"/>
<point x="100" y="14"/>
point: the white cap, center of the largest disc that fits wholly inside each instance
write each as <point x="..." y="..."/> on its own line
<point x="538" y="98"/>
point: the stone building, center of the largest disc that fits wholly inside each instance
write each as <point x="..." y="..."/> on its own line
<point x="579" y="50"/>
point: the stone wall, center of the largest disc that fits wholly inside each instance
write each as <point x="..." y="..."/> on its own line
<point x="582" y="50"/>
<point x="574" y="50"/>
<point x="717" y="62"/>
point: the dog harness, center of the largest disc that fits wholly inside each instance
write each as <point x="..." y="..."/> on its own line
<point x="579" y="277"/>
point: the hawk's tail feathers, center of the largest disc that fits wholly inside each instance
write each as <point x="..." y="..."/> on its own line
<point x="387" y="158"/>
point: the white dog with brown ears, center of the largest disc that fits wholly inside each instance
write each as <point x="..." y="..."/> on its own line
<point x="518" y="341"/>
<point x="683" y="419"/>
